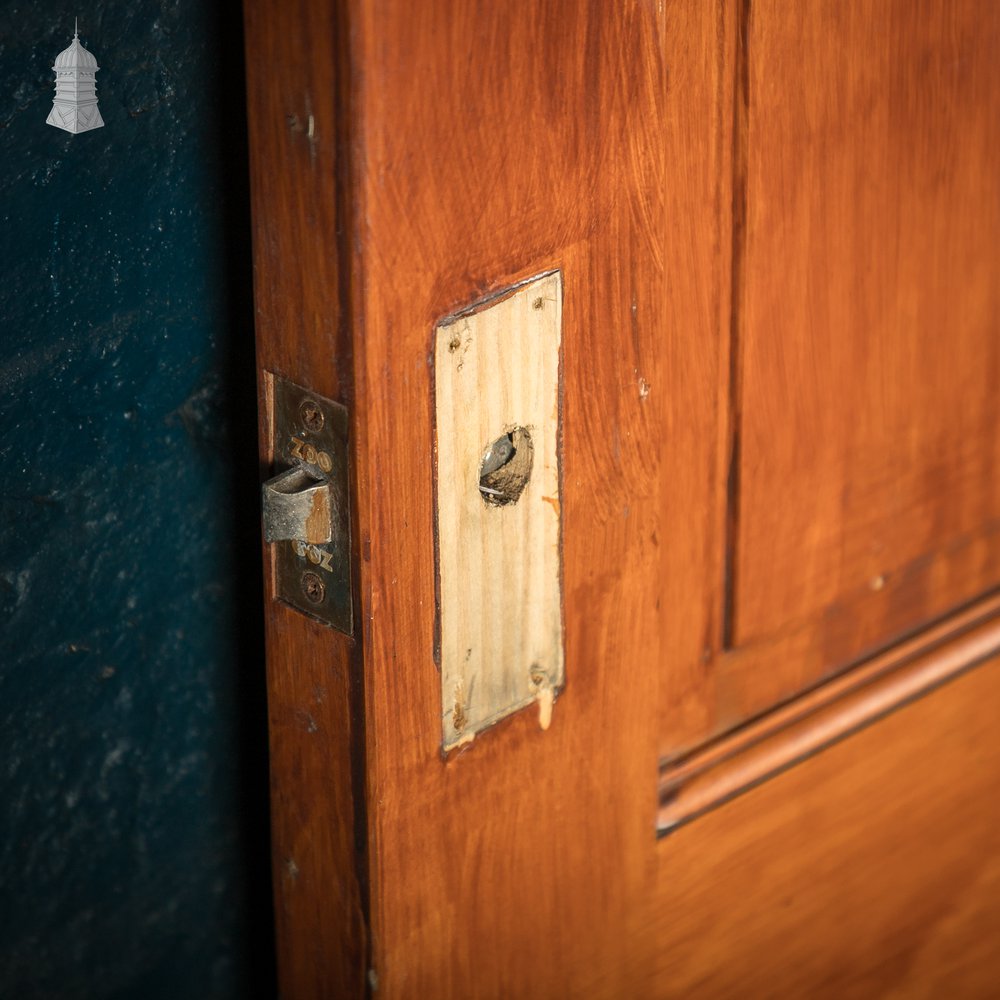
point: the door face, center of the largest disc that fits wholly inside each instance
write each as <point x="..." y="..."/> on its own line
<point x="858" y="390"/>
<point x="866" y="501"/>
<point x="774" y="232"/>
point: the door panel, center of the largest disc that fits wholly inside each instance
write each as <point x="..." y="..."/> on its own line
<point x="869" y="321"/>
<point x="871" y="870"/>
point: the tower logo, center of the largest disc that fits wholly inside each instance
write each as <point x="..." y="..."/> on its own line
<point x="75" y="105"/>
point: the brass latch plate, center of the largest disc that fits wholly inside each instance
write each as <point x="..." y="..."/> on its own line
<point x="311" y="561"/>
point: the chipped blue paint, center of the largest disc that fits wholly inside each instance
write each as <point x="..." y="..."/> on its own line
<point x="132" y="777"/>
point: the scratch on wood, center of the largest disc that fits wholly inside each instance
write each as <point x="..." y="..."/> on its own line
<point x="459" y="716"/>
<point x="458" y="712"/>
<point x="305" y="721"/>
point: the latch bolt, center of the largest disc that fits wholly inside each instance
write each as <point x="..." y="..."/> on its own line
<point x="306" y="516"/>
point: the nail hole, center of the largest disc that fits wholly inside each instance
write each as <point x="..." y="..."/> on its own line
<point x="506" y="467"/>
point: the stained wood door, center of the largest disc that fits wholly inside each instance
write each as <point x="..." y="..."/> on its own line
<point x="771" y="768"/>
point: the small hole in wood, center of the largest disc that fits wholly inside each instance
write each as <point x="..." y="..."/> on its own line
<point x="506" y="467"/>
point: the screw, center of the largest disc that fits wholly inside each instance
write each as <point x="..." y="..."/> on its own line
<point x="312" y="587"/>
<point x="311" y="414"/>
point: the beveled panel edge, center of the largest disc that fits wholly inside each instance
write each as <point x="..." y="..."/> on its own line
<point x="713" y="774"/>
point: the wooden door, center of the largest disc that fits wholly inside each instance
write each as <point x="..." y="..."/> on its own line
<point x="771" y="766"/>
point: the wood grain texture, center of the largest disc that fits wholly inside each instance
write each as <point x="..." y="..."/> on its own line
<point x="872" y="870"/>
<point x="787" y="735"/>
<point x="594" y="139"/>
<point x="496" y="384"/>
<point x="482" y="144"/>
<point x="500" y="141"/>
<point x="294" y="89"/>
<point x="869" y="355"/>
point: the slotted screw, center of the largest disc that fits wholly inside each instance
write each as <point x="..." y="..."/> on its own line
<point x="311" y="414"/>
<point x="312" y="587"/>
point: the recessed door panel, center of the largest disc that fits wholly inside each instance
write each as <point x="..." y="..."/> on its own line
<point x="867" y="347"/>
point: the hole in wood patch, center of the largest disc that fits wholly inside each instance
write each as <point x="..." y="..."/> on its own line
<point x="506" y="467"/>
<point x="497" y="455"/>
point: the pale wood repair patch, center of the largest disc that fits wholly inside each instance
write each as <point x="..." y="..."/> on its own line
<point x="497" y="374"/>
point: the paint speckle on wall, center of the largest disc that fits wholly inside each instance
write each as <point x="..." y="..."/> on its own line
<point x="133" y="773"/>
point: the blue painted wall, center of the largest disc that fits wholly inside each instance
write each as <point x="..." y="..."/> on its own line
<point x="133" y="860"/>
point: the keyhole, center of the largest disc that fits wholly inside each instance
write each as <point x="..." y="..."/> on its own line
<point x="506" y="467"/>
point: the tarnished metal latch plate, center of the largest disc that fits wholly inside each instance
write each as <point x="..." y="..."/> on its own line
<point x="309" y="444"/>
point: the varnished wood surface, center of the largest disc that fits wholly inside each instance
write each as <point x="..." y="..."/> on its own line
<point x="481" y="144"/>
<point x="316" y="732"/>
<point x="787" y="735"/>
<point x="853" y="499"/>
<point x="868" y="499"/>
<point x="870" y="871"/>
<point x="500" y="141"/>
